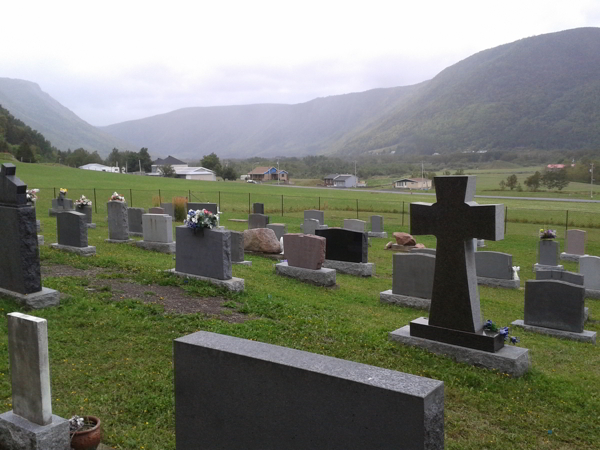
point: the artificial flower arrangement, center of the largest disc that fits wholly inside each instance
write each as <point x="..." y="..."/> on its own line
<point x="83" y="201"/>
<point x="63" y="191"/>
<point x="32" y="194"/>
<point x="547" y="234"/>
<point x="504" y="331"/>
<point x="201" y="218"/>
<point x="116" y="197"/>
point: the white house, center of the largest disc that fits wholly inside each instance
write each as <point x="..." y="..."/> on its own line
<point x="99" y="168"/>
<point x="345" y="180"/>
<point x="412" y="183"/>
<point x="182" y="170"/>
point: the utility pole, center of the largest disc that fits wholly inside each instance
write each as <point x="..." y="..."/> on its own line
<point x="278" y="174"/>
<point x="140" y="163"/>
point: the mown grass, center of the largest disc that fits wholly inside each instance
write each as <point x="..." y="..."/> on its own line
<point x="114" y="359"/>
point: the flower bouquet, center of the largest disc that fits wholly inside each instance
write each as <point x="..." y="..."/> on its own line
<point x="62" y="192"/>
<point x="201" y="218"/>
<point x="32" y="194"/>
<point x="504" y="331"/>
<point x="547" y="234"/>
<point x="83" y="201"/>
<point x="116" y="197"/>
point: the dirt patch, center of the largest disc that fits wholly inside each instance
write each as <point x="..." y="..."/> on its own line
<point x="60" y="270"/>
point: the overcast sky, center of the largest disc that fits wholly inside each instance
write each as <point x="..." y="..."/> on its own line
<point x="115" y="60"/>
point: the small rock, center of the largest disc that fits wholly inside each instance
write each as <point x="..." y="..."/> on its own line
<point x="404" y="238"/>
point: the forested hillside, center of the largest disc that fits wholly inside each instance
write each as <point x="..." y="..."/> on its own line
<point x="23" y="142"/>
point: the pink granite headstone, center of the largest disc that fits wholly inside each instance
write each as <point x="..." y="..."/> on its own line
<point x="304" y="250"/>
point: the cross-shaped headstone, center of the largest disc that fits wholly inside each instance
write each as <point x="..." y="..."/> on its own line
<point x="455" y="220"/>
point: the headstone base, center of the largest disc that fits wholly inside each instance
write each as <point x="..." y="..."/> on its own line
<point x="135" y="233"/>
<point x="515" y="283"/>
<point x="118" y="241"/>
<point x="233" y="284"/>
<point x="378" y="234"/>
<point x="592" y="293"/>
<point x="91" y="225"/>
<point x="351" y="268"/>
<point x="509" y="359"/>
<point x="90" y="250"/>
<point x="320" y="277"/>
<point x="43" y="299"/>
<point x="400" y="248"/>
<point x="585" y="336"/>
<point x="277" y="256"/>
<point x="570" y="257"/>
<point x="537" y="267"/>
<point x="404" y="300"/>
<point x="18" y="433"/>
<point x="40" y="240"/>
<point x="162" y="247"/>
<point x="243" y="263"/>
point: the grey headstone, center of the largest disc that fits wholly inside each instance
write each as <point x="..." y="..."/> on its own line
<point x="413" y="274"/>
<point x="118" y="223"/>
<point x="589" y="267"/>
<point x="206" y="252"/>
<point x="576" y="242"/>
<point x="156" y="210"/>
<point x="157" y="228"/>
<point x="237" y="246"/>
<point x="310" y="226"/>
<point x="257" y="221"/>
<point x="72" y="229"/>
<point x="560" y="275"/>
<point x="87" y="210"/>
<point x="258" y="208"/>
<point x="494" y="265"/>
<point x="62" y="204"/>
<point x="38" y="226"/>
<point x="278" y="228"/>
<point x="315" y="214"/>
<point x="377" y="224"/>
<point x="134" y="219"/>
<point x="296" y="400"/>
<point x="548" y="252"/>
<point x="13" y="191"/>
<point x="345" y="245"/>
<point x="554" y="304"/>
<point x="425" y="251"/>
<point x="212" y="207"/>
<point x="169" y="209"/>
<point x="354" y="225"/>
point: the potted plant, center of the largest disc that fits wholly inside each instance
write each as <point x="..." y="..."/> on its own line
<point x="86" y="432"/>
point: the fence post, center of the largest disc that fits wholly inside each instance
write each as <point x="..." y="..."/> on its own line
<point x="505" y="218"/>
<point x="319" y="201"/>
<point x="567" y="223"/>
<point x="54" y="192"/>
<point x="281" y="205"/>
<point x="402" y="213"/>
<point x="219" y="201"/>
<point x="189" y="195"/>
<point x="95" y="202"/>
<point x="159" y="198"/>
<point x="357" y="208"/>
<point x="131" y="197"/>
<point x="248" y="202"/>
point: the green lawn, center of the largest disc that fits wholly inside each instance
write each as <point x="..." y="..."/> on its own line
<point x="114" y="359"/>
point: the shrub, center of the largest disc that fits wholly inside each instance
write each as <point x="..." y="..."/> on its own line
<point x="180" y="208"/>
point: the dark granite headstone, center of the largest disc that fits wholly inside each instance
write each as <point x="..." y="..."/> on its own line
<point x="237" y="246"/>
<point x="304" y="250"/>
<point x="455" y="220"/>
<point x="377" y="224"/>
<point x="258" y="208"/>
<point x="118" y="223"/>
<point x="20" y="262"/>
<point x="345" y="245"/>
<point x="60" y="204"/>
<point x="71" y="229"/>
<point x="560" y="275"/>
<point x="413" y="274"/>
<point x="548" y="252"/>
<point x="134" y="220"/>
<point x="169" y="209"/>
<point x="212" y="207"/>
<point x="554" y="304"/>
<point x="257" y="221"/>
<point x="277" y="398"/>
<point x="494" y="265"/>
<point x="206" y="252"/>
<point x="315" y="214"/>
<point x="87" y="210"/>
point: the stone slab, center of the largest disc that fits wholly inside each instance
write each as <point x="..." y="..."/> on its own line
<point x="375" y="234"/>
<point x="42" y="299"/>
<point x="233" y="284"/>
<point x="515" y="283"/>
<point x="354" y="225"/>
<point x="119" y="241"/>
<point x="494" y="265"/>
<point x="87" y="210"/>
<point x="575" y="242"/>
<point x="279" y="228"/>
<point x="156" y="210"/>
<point x="161" y="247"/>
<point x="135" y="234"/>
<point x="315" y="214"/>
<point x="537" y="267"/>
<point x="554" y="304"/>
<point x="157" y="228"/>
<point x="304" y="250"/>
<point x="242" y="263"/>
<point x="548" y="252"/>
<point x="319" y="277"/>
<point x="296" y="400"/>
<point x="426" y="251"/>
<point x="275" y="256"/>
<point x="258" y="208"/>
<point x="71" y="229"/>
<point x="589" y="267"/>
<point x="91" y="225"/>
<point x="40" y="240"/>
<point x="350" y="268"/>
<point x="404" y="300"/>
<point x="585" y="336"/>
<point x="570" y="257"/>
<point x="592" y="293"/>
<point x="413" y="274"/>
<point x="511" y="360"/>
<point x="257" y="221"/>
<point x="90" y="250"/>
<point x="377" y="224"/>
<point x="311" y="225"/>
<point x="169" y="209"/>
<point x="560" y="275"/>
<point x="118" y="220"/>
<point x="17" y="433"/>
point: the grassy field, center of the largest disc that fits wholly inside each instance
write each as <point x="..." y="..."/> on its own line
<point x="111" y="355"/>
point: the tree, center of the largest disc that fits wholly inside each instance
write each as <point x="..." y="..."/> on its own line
<point x="533" y="182"/>
<point x="25" y="153"/>
<point x="167" y="171"/>
<point x="511" y="182"/>
<point x="502" y="185"/>
<point x="555" y="179"/>
<point x="212" y="162"/>
<point x="229" y="173"/>
<point x="145" y="159"/>
<point x="459" y="172"/>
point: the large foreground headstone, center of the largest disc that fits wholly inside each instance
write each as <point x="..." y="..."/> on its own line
<point x="31" y="425"/>
<point x="496" y="269"/>
<point x="72" y="233"/>
<point x="454" y="326"/>
<point x="118" y="222"/>
<point x="20" y="275"/>
<point x="589" y="267"/>
<point x="347" y="251"/>
<point x="575" y="245"/>
<point x="280" y="398"/>
<point x="134" y="221"/>
<point x="157" y="233"/>
<point x="412" y="283"/>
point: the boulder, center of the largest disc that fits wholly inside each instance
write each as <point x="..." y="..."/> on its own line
<point x="404" y="239"/>
<point x="420" y="246"/>
<point x="261" y="240"/>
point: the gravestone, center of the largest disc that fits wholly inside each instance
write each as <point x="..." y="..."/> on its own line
<point x="496" y="269"/>
<point x="454" y="326"/>
<point x="72" y="234"/>
<point x="354" y="225"/>
<point x="157" y="233"/>
<point x="237" y="249"/>
<point x="156" y="210"/>
<point x="347" y="251"/>
<point x="425" y="251"/>
<point x="556" y="308"/>
<point x="20" y="275"/>
<point x="257" y="221"/>
<point x="575" y="245"/>
<point x="315" y="214"/>
<point x="60" y="204"/>
<point x="279" y="228"/>
<point x="169" y="209"/>
<point x="205" y="254"/>
<point x="560" y="275"/>
<point x="377" y="227"/>
<point x="295" y="400"/>
<point x="589" y="267"/>
<point x="87" y="210"/>
<point x="258" y="208"/>
<point x="40" y="238"/>
<point x="212" y="207"/>
<point x="31" y="425"/>
<point x="305" y="254"/>
<point x="134" y="221"/>
<point x="412" y="281"/>
<point x="547" y="255"/>
<point x="118" y="222"/>
<point x="311" y="225"/>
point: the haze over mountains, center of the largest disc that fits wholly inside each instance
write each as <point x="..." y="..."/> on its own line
<point x="541" y="92"/>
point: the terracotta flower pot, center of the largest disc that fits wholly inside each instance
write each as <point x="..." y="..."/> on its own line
<point x="89" y="438"/>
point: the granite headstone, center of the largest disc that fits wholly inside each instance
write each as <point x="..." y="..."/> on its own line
<point x="354" y="225"/>
<point x="72" y="229"/>
<point x="494" y="265"/>
<point x="304" y="250"/>
<point x="212" y="207"/>
<point x="257" y="221"/>
<point x="134" y="221"/>
<point x="554" y="304"/>
<point x="118" y="222"/>
<point x="192" y="246"/>
<point x="258" y="208"/>
<point x="315" y="214"/>
<point x="345" y="245"/>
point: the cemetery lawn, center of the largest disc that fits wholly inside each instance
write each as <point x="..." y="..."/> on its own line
<point x="111" y="343"/>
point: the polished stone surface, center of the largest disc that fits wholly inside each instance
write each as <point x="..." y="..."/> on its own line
<point x="318" y="277"/>
<point x="345" y="245"/>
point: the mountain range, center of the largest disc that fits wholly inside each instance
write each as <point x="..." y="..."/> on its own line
<point x="541" y="92"/>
